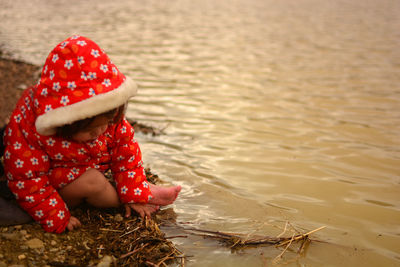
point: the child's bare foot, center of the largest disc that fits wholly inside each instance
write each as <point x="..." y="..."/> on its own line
<point x="142" y="209"/>
<point x="164" y="195"/>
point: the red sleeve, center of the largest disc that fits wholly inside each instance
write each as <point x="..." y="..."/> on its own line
<point x="26" y="167"/>
<point x="127" y="166"/>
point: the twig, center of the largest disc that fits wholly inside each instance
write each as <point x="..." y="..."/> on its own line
<point x="301" y="236"/>
<point x="281" y="254"/>
<point x="133" y="252"/>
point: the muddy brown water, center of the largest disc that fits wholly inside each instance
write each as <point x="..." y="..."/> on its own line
<point x="273" y="111"/>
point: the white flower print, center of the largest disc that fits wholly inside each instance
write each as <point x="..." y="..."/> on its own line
<point x="61" y="214"/>
<point x="20" y="184"/>
<point x="53" y="202"/>
<point x="81" y="43"/>
<point x="39" y="213"/>
<point x="52" y="74"/>
<point x="124" y="190"/>
<point x="7" y="155"/>
<point x="66" y="144"/>
<point x="59" y="156"/>
<point x="30" y="199"/>
<point x="56" y="86"/>
<point x="55" y="58"/>
<point x="114" y="70"/>
<point x="81" y="60"/>
<point x="17" y="145"/>
<point x="45" y="158"/>
<point x="84" y="76"/>
<point x="104" y="68"/>
<point x="106" y="82"/>
<point x="81" y="151"/>
<point x="145" y="184"/>
<point x="49" y="223"/>
<point x="42" y="190"/>
<point x="122" y="169"/>
<point x="63" y="44"/>
<point x="36" y="103"/>
<point x="71" y="85"/>
<point x="44" y="92"/>
<point x="25" y="133"/>
<point x="75" y="37"/>
<point x="123" y="129"/>
<point x="75" y="170"/>
<point x="45" y="69"/>
<point x="18" y="118"/>
<point x="131" y="174"/>
<point x="120" y="158"/>
<point x="68" y="64"/>
<point x="47" y="108"/>
<point x="34" y="161"/>
<point x="92" y="75"/>
<point x="9" y="132"/>
<point x="70" y="177"/>
<point x="37" y="180"/>
<point x="64" y="100"/>
<point x="131" y="159"/>
<point x="150" y="197"/>
<point x="19" y="163"/>
<point x="138" y="192"/>
<point x="29" y="174"/>
<point x="95" y="53"/>
<point x="9" y="176"/>
<point x="50" y="142"/>
<point x="92" y="92"/>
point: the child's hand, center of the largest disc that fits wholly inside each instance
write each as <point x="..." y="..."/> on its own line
<point x="73" y="223"/>
<point x="142" y="209"/>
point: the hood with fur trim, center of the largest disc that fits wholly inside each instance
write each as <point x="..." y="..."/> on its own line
<point x="78" y="81"/>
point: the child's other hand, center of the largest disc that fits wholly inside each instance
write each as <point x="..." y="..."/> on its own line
<point x="73" y="223"/>
<point x="142" y="209"/>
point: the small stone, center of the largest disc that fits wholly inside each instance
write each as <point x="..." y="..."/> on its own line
<point x="21" y="257"/>
<point x="53" y="242"/>
<point x="69" y="247"/>
<point x="105" y="261"/>
<point x="23" y="232"/>
<point x="35" y="243"/>
<point x="10" y="236"/>
<point x="118" y="217"/>
<point x="18" y="227"/>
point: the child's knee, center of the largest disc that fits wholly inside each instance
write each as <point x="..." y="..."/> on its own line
<point x="95" y="182"/>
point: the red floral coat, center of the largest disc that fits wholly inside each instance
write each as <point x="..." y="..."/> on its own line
<point x="37" y="166"/>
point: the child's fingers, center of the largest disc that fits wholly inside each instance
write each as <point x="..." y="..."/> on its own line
<point x="127" y="211"/>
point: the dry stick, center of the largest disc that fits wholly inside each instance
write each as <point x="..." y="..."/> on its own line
<point x="301" y="236"/>
<point x="281" y="254"/>
<point x="127" y="233"/>
<point x="133" y="252"/>
<point x="284" y="230"/>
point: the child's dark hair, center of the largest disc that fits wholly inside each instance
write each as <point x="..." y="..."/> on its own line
<point x="68" y="130"/>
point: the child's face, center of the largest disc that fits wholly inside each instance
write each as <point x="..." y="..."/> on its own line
<point x="93" y="131"/>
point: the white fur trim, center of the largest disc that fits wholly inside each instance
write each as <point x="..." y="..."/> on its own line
<point x="47" y="123"/>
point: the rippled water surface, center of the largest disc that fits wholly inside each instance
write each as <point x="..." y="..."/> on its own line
<point x="273" y="111"/>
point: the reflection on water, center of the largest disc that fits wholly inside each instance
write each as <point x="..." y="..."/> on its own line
<point x="275" y="110"/>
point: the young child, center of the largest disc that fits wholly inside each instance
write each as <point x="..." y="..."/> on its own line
<point x="67" y="130"/>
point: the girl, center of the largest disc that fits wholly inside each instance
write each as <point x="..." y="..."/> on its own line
<point x="69" y="129"/>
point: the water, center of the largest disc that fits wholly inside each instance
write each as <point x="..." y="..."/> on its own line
<point x="274" y="111"/>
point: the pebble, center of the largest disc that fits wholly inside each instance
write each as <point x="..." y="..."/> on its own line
<point x="118" y="217"/>
<point x="105" y="261"/>
<point x="35" y="243"/>
<point x="21" y="257"/>
<point x="53" y="242"/>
